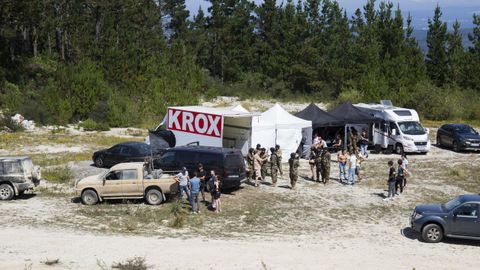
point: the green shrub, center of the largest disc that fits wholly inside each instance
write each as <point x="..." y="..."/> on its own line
<point x="179" y="216"/>
<point x="62" y="175"/>
<point x="91" y="125"/>
<point x="137" y="263"/>
<point x="9" y="125"/>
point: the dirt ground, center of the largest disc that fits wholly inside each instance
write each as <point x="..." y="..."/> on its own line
<point x="316" y="226"/>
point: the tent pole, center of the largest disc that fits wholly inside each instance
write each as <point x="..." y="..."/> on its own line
<point x="345" y="142"/>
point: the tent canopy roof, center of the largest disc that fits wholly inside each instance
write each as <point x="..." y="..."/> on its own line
<point x="351" y="115"/>
<point x="279" y="118"/>
<point x="319" y="117"/>
<point x="218" y="111"/>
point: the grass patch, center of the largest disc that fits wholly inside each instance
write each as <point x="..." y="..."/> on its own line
<point x="45" y="160"/>
<point x="61" y="175"/>
<point x="465" y="177"/>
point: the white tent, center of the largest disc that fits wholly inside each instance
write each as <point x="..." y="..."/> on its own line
<point x="240" y="108"/>
<point x="277" y="126"/>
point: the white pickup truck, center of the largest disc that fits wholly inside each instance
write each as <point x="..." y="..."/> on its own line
<point x="126" y="181"/>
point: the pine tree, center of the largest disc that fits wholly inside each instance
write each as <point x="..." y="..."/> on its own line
<point x="455" y="54"/>
<point x="436" y="58"/>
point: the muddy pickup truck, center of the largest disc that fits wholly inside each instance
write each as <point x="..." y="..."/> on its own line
<point x="126" y="181"/>
<point x="17" y="175"/>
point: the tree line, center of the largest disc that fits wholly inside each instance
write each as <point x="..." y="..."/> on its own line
<point x="122" y="62"/>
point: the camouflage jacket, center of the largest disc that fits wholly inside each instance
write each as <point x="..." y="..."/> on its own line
<point x="293" y="164"/>
<point x="326" y="157"/>
<point x="274" y="161"/>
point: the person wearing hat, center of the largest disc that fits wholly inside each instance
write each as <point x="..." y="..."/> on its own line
<point x="182" y="180"/>
<point x="274" y="165"/>
<point x="293" y="169"/>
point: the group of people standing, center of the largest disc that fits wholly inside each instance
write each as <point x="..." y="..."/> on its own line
<point x="200" y="183"/>
<point x="319" y="161"/>
<point x="397" y="177"/>
<point x="258" y="162"/>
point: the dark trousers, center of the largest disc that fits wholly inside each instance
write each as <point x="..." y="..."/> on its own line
<point x="399" y="184"/>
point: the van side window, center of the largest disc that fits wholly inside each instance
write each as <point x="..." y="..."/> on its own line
<point x="187" y="159"/>
<point x="210" y="160"/>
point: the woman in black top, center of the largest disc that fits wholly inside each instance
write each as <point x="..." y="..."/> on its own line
<point x="391" y="182"/>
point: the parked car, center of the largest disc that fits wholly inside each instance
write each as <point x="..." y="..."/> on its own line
<point x="459" y="137"/>
<point x="17" y="175"/>
<point x="228" y="163"/>
<point x="123" y="152"/>
<point x="126" y="181"/>
<point x="458" y="218"/>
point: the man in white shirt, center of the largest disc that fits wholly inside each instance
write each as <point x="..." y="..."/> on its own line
<point x="182" y="180"/>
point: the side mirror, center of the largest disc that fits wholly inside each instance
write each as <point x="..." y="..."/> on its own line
<point x="427" y="130"/>
<point x="103" y="181"/>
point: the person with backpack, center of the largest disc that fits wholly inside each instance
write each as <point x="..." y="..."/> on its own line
<point x="211" y="187"/>
<point x="274" y="165"/>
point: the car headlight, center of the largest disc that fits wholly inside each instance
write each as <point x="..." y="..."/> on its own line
<point x="417" y="216"/>
<point x="407" y="138"/>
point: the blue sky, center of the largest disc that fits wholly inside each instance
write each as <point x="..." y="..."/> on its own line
<point x="421" y="9"/>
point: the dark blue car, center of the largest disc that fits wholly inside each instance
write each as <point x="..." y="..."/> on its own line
<point x="458" y="218"/>
<point x="459" y="137"/>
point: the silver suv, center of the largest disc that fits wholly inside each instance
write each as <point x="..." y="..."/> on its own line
<point x="17" y="174"/>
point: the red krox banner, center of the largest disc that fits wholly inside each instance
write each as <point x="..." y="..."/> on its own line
<point x="195" y="122"/>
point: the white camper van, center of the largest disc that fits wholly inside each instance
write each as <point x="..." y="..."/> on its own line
<point x="399" y="129"/>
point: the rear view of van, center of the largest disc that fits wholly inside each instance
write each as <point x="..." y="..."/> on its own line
<point x="227" y="163"/>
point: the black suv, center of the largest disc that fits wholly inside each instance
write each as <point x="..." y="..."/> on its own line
<point x="458" y="218"/>
<point x="228" y="163"/>
<point x="459" y="137"/>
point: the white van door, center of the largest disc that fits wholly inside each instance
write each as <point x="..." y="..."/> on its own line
<point x="380" y="135"/>
<point x="394" y="135"/>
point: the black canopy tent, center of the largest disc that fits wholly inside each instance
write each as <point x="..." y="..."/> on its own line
<point x="320" y="120"/>
<point x="351" y="116"/>
<point x="319" y="117"/>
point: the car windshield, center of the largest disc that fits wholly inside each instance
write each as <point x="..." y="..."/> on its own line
<point x="452" y="204"/>
<point x="464" y="130"/>
<point x="411" y="128"/>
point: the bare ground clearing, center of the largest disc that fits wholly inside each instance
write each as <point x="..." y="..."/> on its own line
<point x="315" y="226"/>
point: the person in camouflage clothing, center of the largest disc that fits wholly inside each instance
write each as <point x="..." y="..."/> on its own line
<point x="250" y="160"/>
<point x="279" y="153"/>
<point x="325" y="162"/>
<point x="353" y="140"/>
<point x="293" y="168"/>
<point x="274" y="166"/>
<point x="264" y="156"/>
<point x="318" y="163"/>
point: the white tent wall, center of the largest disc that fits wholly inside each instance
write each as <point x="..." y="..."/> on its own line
<point x="277" y="126"/>
<point x="236" y="133"/>
<point x="306" y="142"/>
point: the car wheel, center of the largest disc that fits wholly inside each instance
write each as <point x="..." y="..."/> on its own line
<point x="99" y="162"/>
<point x="6" y="192"/>
<point x="399" y="149"/>
<point x="89" y="197"/>
<point x="432" y="233"/>
<point x="154" y="197"/>
<point x="456" y="148"/>
<point x="439" y="141"/>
